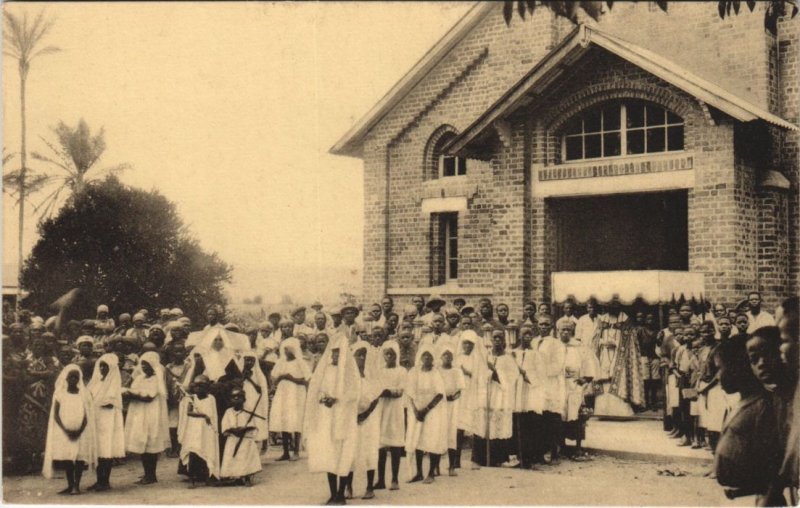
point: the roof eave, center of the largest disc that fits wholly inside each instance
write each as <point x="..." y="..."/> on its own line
<point x="349" y="143"/>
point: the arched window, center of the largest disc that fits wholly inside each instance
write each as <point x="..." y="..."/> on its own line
<point x="614" y="129"/>
<point x="446" y="165"/>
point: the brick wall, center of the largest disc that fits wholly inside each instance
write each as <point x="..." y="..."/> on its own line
<point x="507" y="238"/>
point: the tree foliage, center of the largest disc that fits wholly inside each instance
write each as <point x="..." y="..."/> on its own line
<point x="74" y="155"/>
<point x="775" y="10"/>
<point x="124" y="247"/>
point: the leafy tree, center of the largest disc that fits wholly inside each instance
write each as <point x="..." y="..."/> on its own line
<point x="75" y="154"/>
<point x="124" y="247"/>
<point x="569" y="9"/>
<point x="22" y="40"/>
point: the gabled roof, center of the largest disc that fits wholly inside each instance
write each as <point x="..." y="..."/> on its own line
<point x="573" y="47"/>
<point x="351" y="143"/>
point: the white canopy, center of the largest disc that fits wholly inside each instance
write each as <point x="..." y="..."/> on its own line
<point x="652" y="286"/>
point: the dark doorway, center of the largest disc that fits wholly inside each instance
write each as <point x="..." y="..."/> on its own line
<point x="646" y="231"/>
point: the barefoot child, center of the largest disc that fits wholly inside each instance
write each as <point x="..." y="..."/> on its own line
<point x="240" y="460"/>
<point x="106" y="390"/>
<point x="368" y="419"/>
<point x="291" y="375"/>
<point x="177" y="370"/>
<point x="427" y="415"/>
<point x="453" y="386"/>
<point x="198" y="433"/>
<point x="393" y="427"/>
<point x="146" y="427"/>
<point x="71" y="436"/>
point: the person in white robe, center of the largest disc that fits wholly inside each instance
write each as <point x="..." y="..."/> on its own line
<point x="493" y="418"/>
<point x="146" y="426"/>
<point x="393" y="426"/>
<point x="290" y="378"/>
<point x="199" y="433"/>
<point x="106" y="390"/>
<point x="580" y="368"/>
<point x="369" y="420"/>
<point x="453" y="388"/>
<point x="71" y="441"/>
<point x="331" y="427"/>
<point x="240" y="459"/>
<point x="427" y="416"/>
<point x="471" y="360"/>
<point x="552" y="353"/>
<point x="529" y="400"/>
<point x="256" y="394"/>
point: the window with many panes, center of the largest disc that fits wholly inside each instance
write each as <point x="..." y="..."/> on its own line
<point x="621" y="128"/>
<point x="450" y="228"/>
<point x="448" y="165"/>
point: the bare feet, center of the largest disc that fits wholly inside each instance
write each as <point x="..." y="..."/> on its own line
<point x="428" y="480"/>
<point x="394" y="486"/>
<point x="417" y="478"/>
<point x="369" y="494"/>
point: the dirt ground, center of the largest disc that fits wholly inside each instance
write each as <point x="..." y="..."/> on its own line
<point x="601" y="481"/>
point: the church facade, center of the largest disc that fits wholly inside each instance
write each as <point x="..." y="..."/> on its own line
<point x="644" y="141"/>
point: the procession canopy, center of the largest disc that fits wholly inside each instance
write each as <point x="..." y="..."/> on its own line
<point x="652" y="286"/>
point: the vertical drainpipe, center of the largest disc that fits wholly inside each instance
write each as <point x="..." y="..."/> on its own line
<point x="387" y="258"/>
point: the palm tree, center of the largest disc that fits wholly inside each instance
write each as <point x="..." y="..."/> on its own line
<point x="75" y="154"/>
<point x="22" y="40"/>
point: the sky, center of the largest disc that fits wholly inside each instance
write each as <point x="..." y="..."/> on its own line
<point x="229" y="110"/>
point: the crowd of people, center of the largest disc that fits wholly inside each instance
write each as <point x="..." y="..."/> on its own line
<point x="357" y="387"/>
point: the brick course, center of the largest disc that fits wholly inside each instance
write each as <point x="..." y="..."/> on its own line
<point x="739" y="234"/>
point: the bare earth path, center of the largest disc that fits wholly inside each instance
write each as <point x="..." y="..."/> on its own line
<point x="602" y="481"/>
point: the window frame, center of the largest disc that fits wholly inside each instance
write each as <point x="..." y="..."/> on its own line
<point x="623" y="132"/>
<point x="450" y="232"/>
<point x="460" y="165"/>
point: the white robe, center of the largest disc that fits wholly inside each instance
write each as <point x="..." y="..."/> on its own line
<point x="500" y="398"/>
<point x="288" y="404"/>
<point x="453" y="382"/>
<point x="429" y="435"/>
<point x="198" y="436"/>
<point x="247" y="460"/>
<point x="579" y="362"/>
<point x="332" y="434"/>
<point x="369" y="431"/>
<point x="146" y="429"/>
<point x="393" y="427"/>
<point x="73" y="407"/>
<point x="529" y="396"/>
<point x="109" y="425"/>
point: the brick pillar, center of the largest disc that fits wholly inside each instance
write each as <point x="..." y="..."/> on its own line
<point x="723" y="214"/>
<point x="510" y="245"/>
<point x="773" y="246"/>
<point x="375" y="217"/>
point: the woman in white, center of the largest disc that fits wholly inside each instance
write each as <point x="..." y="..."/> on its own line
<point x="369" y="420"/>
<point x="331" y="426"/>
<point x="199" y="432"/>
<point x="427" y="416"/>
<point x="147" y="426"/>
<point x="453" y="387"/>
<point x="71" y="441"/>
<point x="290" y="376"/>
<point x="106" y="390"/>
<point x="393" y="424"/>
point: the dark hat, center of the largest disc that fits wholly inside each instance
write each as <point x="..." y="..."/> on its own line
<point x="459" y="300"/>
<point x="467" y="310"/>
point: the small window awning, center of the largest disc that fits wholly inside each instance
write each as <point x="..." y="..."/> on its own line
<point x="572" y="48"/>
<point x="652" y="286"/>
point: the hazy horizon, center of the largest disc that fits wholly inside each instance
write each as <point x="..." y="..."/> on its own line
<point x="232" y="124"/>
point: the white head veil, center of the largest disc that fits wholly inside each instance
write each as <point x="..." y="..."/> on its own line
<point x="346" y="391"/>
<point x="108" y="390"/>
<point x="152" y="359"/>
<point x="86" y="398"/>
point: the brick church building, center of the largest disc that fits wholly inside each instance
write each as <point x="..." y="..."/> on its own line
<point x="645" y="141"/>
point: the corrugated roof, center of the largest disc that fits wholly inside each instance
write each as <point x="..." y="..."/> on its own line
<point x="576" y="45"/>
<point x="350" y="143"/>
